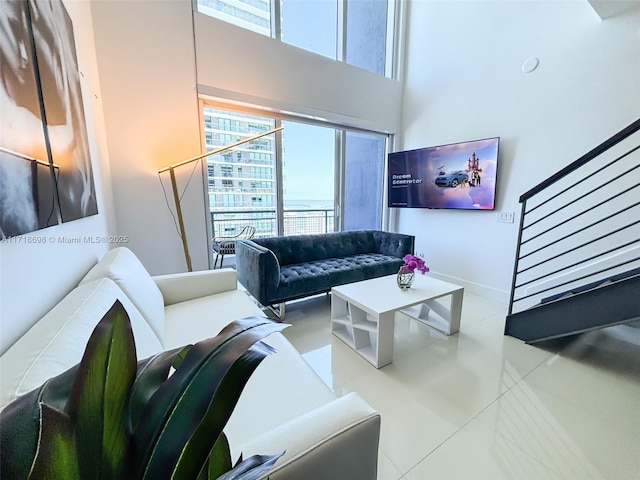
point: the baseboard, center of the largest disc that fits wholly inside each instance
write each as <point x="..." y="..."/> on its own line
<point x="482" y="290"/>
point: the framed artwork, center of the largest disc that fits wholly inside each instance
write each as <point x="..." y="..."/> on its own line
<point x="46" y="176"/>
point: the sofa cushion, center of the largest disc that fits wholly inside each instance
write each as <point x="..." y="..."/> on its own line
<point x="284" y="383"/>
<point x="194" y="320"/>
<point x="57" y="342"/>
<point x="303" y="279"/>
<point x="306" y="248"/>
<point x="124" y="268"/>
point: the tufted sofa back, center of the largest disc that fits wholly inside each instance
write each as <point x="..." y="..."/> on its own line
<point x="306" y="248"/>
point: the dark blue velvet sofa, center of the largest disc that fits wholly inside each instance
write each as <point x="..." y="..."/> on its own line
<point x="278" y="269"/>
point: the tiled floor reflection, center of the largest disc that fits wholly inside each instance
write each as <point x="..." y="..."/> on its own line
<point x="481" y="405"/>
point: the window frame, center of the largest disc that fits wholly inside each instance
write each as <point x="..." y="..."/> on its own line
<point x="279" y="117"/>
<point x="394" y="27"/>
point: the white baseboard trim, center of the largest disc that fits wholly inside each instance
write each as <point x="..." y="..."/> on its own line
<point x="478" y="289"/>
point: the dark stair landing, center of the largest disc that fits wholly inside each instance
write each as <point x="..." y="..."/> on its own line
<point x="608" y="302"/>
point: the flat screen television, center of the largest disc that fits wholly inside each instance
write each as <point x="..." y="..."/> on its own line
<point x="457" y="176"/>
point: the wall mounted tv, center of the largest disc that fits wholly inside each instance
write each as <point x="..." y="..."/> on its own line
<point x="458" y="176"/>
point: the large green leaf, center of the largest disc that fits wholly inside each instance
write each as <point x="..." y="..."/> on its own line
<point x="165" y="425"/>
<point x="20" y="423"/>
<point x="215" y="418"/>
<point x="219" y="460"/>
<point x="151" y="374"/>
<point x="57" y="457"/>
<point x="19" y="426"/>
<point x="99" y="399"/>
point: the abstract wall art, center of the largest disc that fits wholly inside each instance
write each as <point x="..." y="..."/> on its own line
<point x="46" y="176"/>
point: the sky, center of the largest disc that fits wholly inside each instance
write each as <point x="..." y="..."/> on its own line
<point x="309" y="158"/>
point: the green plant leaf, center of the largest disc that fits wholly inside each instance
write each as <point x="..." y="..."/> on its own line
<point x="98" y="404"/>
<point x="180" y="356"/>
<point x="19" y="428"/>
<point x="20" y="423"/>
<point x="57" y="457"/>
<point x="226" y="396"/>
<point x="151" y="373"/>
<point x="251" y="468"/>
<point x="219" y="460"/>
<point x="178" y="406"/>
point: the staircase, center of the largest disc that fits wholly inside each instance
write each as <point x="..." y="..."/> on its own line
<point x="577" y="265"/>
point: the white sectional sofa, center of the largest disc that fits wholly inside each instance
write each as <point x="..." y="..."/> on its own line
<point x="285" y="405"/>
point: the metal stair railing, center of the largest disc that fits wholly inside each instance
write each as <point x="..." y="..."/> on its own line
<point x="581" y="225"/>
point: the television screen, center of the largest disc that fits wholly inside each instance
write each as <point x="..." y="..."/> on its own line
<point x="458" y="175"/>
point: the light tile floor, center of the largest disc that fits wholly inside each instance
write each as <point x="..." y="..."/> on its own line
<point x="481" y="405"/>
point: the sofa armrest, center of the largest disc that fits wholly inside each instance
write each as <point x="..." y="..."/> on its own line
<point x="337" y="440"/>
<point x="180" y="287"/>
<point x="258" y="270"/>
<point x="395" y="244"/>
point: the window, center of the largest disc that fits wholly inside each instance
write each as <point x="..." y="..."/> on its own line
<point x="253" y="15"/>
<point x="311" y="25"/>
<point x="228" y="200"/>
<point x="317" y="178"/>
<point x="366" y="35"/>
<point x="257" y="128"/>
<point x="364" y="156"/>
<point x="358" y="32"/>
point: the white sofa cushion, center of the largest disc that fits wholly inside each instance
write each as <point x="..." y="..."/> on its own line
<point x="201" y="318"/>
<point x="124" y="268"/>
<point x="57" y="342"/>
<point x="284" y="383"/>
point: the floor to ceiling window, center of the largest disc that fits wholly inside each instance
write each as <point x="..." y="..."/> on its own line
<point x="364" y="155"/>
<point x="358" y="32"/>
<point x="312" y="25"/>
<point x="308" y="178"/>
<point x="313" y="178"/>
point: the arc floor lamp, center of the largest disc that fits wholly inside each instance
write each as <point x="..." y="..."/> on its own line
<point x="174" y="185"/>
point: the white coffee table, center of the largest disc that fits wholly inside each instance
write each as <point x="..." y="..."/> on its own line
<point x="363" y="313"/>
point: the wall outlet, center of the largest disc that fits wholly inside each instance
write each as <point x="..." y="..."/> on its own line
<point x="506" y="217"/>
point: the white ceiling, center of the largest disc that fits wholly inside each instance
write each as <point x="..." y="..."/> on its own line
<point x="610" y="8"/>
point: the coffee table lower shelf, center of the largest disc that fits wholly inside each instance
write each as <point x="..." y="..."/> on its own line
<point x="369" y="331"/>
<point x="348" y="333"/>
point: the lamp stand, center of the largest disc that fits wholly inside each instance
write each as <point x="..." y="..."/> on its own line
<point x="176" y="195"/>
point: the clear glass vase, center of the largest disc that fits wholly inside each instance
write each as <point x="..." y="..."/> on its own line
<point x="405" y="279"/>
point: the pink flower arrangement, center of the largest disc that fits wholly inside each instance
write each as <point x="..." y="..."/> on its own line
<point x="413" y="263"/>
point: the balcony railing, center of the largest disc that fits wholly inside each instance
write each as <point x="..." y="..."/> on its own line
<point x="227" y="223"/>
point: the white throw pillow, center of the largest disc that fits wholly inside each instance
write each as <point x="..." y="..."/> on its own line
<point x="123" y="267"/>
<point x="57" y="342"/>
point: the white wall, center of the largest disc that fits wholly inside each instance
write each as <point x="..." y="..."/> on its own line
<point x="147" y="71"/>
<point x="251" y="68"/>
<point x="464" y="82"/>
<point x="35" y="276"/>
<point x="147" y="63"/>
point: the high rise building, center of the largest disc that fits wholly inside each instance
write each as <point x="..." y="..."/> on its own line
<point x="253" y="15"/>
<point x="241" y="180"/>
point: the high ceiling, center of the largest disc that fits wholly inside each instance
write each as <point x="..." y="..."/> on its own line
<point x="610" y="8"/>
